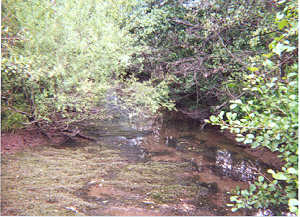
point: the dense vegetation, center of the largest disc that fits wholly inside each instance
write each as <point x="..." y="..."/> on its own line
<point x="267" y="114"/>
<point x="61" y="59"/>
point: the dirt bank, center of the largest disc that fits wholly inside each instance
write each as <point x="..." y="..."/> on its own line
<point x="21" y="139"/>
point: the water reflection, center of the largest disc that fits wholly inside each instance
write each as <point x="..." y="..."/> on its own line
<point x="239" y="169"/>
<point x="176" y="139"/>
<point x="224" y="161"/>
<point x="207" y="156"/>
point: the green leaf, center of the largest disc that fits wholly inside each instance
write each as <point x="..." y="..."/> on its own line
<point x="282" y="1"/>
<point x="255" y="144"/>
<point x="234" y="198"/>
<point x="238" y="101"/>
<point x="234" y="209"/>
<point x="292" y="74"/>
<point x="261" y="178"/>
<point x="244" y="193"/>
<point x="279" y="176"/>
<point x="239" y="139"/>
<point x="236" y="130"/>
<point x="269" y="55"/>
<point x="248" y="141"/>
<point x="252" y="188"/>
<point x="292" y="195"/>
<point x="253" y="69"/>
<point x="234" y="115"/>
<point x="280" y="48"/>
<point x="272" y="124"/>
<point x="293" y="202"/>
<point x="293" y="97"/>
<point x="268" y="63"/>
<point x="292" y="170"/>
<point x="221" y="114"/>
<point x="228" y="115"/>
<point x="283" y="23"/>
<point x="271" y="171"/>
<point x="213" y="118"/>
<point x="232" y="106"/>
<point x="279" y="16"/>
<point x="250" y="136"/>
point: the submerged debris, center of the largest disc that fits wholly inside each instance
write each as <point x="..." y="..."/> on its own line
<point x="239" y="169"/>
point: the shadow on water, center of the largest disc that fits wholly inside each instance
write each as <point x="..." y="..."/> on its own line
<point x="170" y="167"/>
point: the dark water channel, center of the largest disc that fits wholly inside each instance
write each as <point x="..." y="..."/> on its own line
<point x="169" y="166"/>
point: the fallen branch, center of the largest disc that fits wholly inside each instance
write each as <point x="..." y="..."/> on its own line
<point x="85" y="137"/>
<point x="29" y="116"/>
<point x="76" y="133"/>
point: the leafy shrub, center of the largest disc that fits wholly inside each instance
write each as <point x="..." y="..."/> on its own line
<point x="197" y="45"/>
<point x="267" y="116"/>
<point x="63" y="56"/>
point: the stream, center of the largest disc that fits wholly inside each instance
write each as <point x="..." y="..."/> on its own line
<point x="168" y="166"/>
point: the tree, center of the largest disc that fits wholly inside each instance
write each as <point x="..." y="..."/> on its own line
<point x="267" y="115"/>
<point x="61" y="57"/>
<point x="197" y="45"/>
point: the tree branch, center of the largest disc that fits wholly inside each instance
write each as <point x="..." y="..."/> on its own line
<point x="245" y="66"/>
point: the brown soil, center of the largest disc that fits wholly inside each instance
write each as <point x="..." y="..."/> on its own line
<point x="12" y="142"/>
<point x="99" y="191"/>
<point x="125" y="211"/>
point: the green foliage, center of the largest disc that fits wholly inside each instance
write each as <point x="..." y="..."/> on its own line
<point x="68" y="50"/>
<point x="197" y="46"/>
<point x="144" y="99"/>
<point x="61" y="57"/>
<point x="11" y="120"/>
<point x="267" y="115"/>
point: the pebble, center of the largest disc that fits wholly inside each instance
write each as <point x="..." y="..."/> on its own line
<point x="72" y="209"/>
<point x="91" y="182"/>
<point x="148" y="202"/>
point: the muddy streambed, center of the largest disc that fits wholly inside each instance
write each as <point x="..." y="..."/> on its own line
<point x="164" y="167"/>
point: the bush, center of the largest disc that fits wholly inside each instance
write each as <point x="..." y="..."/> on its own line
<point x="267" y="116"/>
<point x="61" y="57"/>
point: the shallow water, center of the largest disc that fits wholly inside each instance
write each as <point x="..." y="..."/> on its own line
<point x="168" y="166"/>
<point x="205" y="166"/>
